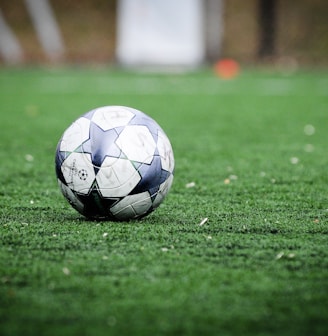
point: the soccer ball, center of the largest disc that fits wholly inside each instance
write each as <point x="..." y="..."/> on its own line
<point x="114" y="163"/>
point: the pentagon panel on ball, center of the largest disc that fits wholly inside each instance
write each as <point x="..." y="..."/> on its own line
<point x="114" y="163"/>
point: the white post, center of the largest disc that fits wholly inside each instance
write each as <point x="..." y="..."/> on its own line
<point x="160" y="33"/>
<point x="10" y="48"/>
<point x="46" y="28"/>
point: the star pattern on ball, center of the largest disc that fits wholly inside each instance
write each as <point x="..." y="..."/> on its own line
<point x="152" y="176"/>
<point x="101" y="144"/>
<point x="145" y="121"/>
<point x="60" y="158"/>
<point x="95" y="204"/>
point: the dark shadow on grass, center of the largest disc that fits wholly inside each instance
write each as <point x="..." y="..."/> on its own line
<point x="80" y="219"/>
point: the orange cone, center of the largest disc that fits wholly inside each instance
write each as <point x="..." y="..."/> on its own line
<point x="226" y="68"/>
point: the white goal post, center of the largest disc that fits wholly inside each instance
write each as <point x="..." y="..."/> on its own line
<point x="168" y="32"/>
<point x="46" y="27"/>
<point x="10" y="48"/>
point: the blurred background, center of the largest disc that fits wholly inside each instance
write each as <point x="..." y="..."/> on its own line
<point x="164" y="32"/>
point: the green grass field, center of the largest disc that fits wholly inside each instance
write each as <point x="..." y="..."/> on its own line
<point x="251" y="157"/>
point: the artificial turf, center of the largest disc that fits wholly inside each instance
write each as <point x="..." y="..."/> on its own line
<point x="251" y="157"/>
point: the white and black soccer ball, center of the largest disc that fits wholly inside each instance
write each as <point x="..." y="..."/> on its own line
<point x="114" y="163"/>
